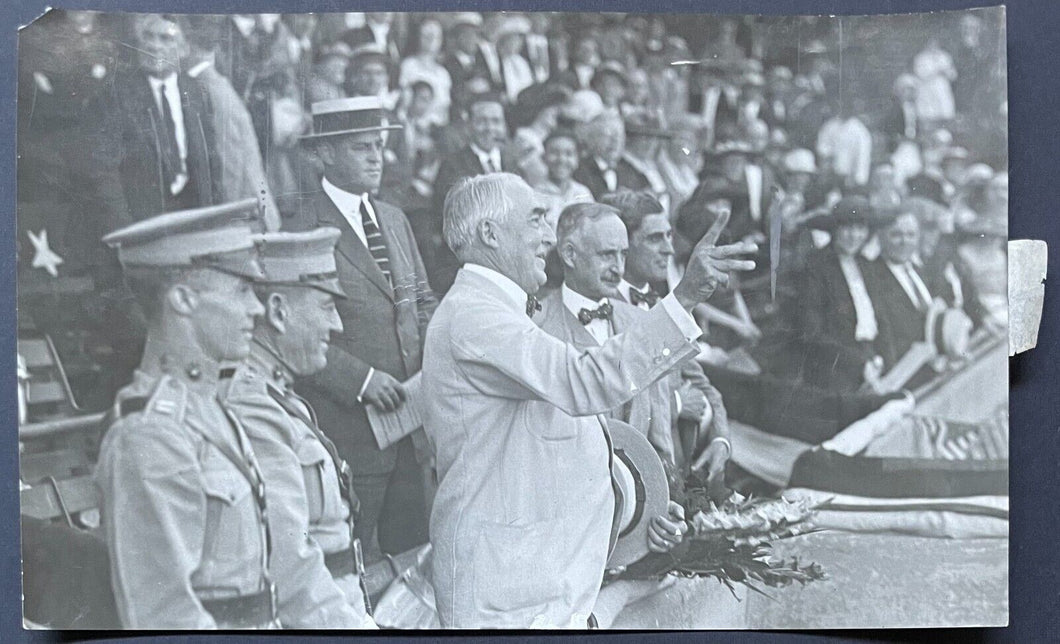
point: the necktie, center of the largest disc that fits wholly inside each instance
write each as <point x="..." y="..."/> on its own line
<point x="170" y="152"/>
<point x="532" y="305"/>
<point x="491" y="167"/>
<point x="648" y="296"/>
<point x="923" y="295"/>
<point x="603" y="312"/>
<point x="373" y="237"/>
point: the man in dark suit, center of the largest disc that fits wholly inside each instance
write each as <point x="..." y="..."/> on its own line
<point x="586" y="309"/>
<point x="465" y="59"/>
<point x="389" y="304"/>
<point x="153" y="150"/>
<point x="603" y="168"/>
<point x="700" y="418"/>
<point x="482" y="155"/>
<point x="899" y="292"/>
<point x="378" y="30"/>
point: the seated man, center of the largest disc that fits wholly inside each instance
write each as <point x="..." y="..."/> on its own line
<point x="586" y="309"/>
<point x="900" y="294"/>
<point x="308" y="484"/>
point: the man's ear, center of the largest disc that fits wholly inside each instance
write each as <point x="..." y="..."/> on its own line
<point x="567" y="253"/>
<point x="324" y="152"/>
<point x="182" y="298"/>
<point x="277" y="312"/>
<point x="487" y="233"/>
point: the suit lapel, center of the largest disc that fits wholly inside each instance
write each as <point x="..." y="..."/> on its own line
<point x="349" y="246"/>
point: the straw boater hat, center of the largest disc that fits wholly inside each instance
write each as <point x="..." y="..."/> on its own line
<point x="347" y="116"/>
<point x="643" y="492"/>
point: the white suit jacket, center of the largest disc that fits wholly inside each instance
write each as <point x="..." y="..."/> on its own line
<point x="522" y="517"/>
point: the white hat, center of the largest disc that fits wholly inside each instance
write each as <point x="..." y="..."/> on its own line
<point x="800" y="160"/>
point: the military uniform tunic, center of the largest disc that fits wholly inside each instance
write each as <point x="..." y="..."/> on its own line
<point x="302" y="483"/>
<point x="184" y="525"/>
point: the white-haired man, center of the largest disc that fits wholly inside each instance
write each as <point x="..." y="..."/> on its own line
<point x="522" y="521"/>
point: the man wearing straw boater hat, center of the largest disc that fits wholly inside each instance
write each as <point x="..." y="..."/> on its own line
<point x="389" y="302"/>
<point x="183" y="507"/>
<point x="307" y="481"/>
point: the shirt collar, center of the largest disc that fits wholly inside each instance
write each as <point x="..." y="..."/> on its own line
<point x="576" y="301"/>
<point x="625" y="287"/>
<point x="600" y="163"/>
<point x="342" y="198"/>
<point x="169" y="81"/>
<point x="505" y="283"/>
<point x="482" y="154"/>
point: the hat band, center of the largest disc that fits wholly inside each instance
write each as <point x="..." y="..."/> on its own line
<point x="348" y="120"/>
<point x="638" y="492"/>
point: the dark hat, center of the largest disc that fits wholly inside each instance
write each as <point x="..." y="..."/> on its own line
<point x="848" y="211"/>
<point x="611" y="67"/>
<point x="302" y="259"/>
<point x="644" y="123"/>
<point x="537" y="97"/>
<point x="225" y="237"/>
<point x="369" y="52"/>
<point x="644" y="493"/>
<point x="348" y="116"/>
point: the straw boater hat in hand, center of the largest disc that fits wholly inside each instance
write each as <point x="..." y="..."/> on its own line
<point x="642" y="492"/>
<point x="351" y="115"/>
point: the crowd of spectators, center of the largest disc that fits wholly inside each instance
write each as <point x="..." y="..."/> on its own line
<point x="780" y="121"/>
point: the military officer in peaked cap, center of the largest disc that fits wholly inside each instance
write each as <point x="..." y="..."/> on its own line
<point x="183" y="504"/>
<point x="308" y="485"/>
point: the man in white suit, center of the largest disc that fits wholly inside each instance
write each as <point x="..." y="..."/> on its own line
<point x="522" y="521"/>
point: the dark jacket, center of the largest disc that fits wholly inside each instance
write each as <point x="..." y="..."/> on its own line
<point x="826" y="321"/>
<point x="589" y="174"/>
<point x="383" y="327"/>
<point x="900" y="322"/>
<point x="125" y="178"/>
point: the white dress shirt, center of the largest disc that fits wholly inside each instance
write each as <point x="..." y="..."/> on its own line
<point x="349" y="205"/>
<point x="167" y="87"/>
<point x="625" y="287"/>
<point x="610" y="176"/>
<point x="487" y="158"/>
<point x="911" y="283"/>
<point x="601" y="330"/>
<point x="865" y="327"/>
<point x="517" y="75"/>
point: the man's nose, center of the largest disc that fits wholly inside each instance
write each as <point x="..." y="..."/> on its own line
<point x="668" y="247"/>
<point x="336" y="323"/>
<point x="254" y="306"/>
<point x="548" y="235"/>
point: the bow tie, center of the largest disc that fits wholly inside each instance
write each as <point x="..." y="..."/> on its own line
<point x="603" y="312"/>
<point x="532" y="306"/>
<point x="649" y="297"/>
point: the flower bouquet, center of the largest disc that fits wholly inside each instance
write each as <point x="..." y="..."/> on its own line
<point x="730" y="538"/>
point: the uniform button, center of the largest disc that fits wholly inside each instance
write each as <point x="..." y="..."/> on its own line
<point x="666" y="351"/>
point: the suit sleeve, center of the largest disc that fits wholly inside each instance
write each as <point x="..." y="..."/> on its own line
<point x="154" y="516"/>
<point x="504" y="354"/>
<point x="307" y="595"/>
<point x="343" y="377"/>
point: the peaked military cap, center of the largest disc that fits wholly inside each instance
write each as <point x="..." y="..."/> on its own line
<point x="302" y="259"/>
<point x="224" y="237"/>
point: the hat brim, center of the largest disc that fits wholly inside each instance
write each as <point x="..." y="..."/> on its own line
<point x="651" y="494"/>
<point x="360" y="130"/>
<point x="830" y="222"/>
<point x="652" y="132"/>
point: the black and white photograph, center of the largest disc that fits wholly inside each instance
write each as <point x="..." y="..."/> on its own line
<point x="513" y="320"/>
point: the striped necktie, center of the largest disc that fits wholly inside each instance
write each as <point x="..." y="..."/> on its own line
<point x="373" y="237"/>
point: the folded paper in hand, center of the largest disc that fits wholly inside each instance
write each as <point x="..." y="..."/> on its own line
<point x="391" y="426"/>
